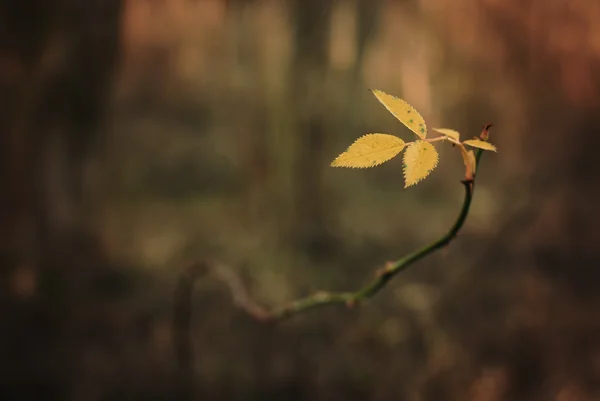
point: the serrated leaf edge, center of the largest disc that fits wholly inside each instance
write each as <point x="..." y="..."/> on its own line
<point x="404" y="145"/>
<point x="405" y="164"/>
<point x="420" y="135"/>
<point x="476" y="143"/>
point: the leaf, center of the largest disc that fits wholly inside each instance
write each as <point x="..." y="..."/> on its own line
<point x="369" y="151"/>
<point x="478" y="143"/>
<point x="403" y="112"/>
<point x="420" y="159"/>
<point x="450" y="133"/>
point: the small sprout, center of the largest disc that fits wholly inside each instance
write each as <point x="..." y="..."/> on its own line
<point x="421" y="157"/>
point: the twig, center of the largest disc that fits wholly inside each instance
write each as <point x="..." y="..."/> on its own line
<point x="241" y="299"/>
<point x="183" y="294"/>
<point x="350" y="299"/>
<point x="322" y="298"/>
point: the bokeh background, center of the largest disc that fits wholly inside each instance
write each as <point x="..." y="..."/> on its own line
<point x="139" y="135"/>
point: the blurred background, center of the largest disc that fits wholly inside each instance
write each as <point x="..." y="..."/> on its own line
<point x="138" y="135"/>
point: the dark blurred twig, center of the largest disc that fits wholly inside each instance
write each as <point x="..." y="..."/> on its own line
<point x="182" y="327"/>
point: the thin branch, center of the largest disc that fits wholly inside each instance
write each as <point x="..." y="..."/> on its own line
<point x="240" y="295"/>
<point x="182" y="316"/>
<point x="323" y="298"/>
<point x="382" y="277"/>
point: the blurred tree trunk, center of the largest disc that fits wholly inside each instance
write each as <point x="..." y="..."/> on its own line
<point x="368" y="14"/>
<point x="311" y="214"/>
<point x="56" y="65"/>
<point x="21" y="72"/>
<point x="249" y="100"/>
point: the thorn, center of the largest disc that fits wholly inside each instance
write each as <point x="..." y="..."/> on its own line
<point x="351" y="303"/>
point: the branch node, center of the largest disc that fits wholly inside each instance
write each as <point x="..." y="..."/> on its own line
<point x="387" y="268"/>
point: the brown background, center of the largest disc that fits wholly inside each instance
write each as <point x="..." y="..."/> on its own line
<point x="140" y="134"/>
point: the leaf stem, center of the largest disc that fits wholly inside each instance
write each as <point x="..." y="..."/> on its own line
<point x="439" y="138"/>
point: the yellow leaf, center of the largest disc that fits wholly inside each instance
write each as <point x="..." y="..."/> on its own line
<point x="450" y="133"/>
<point x="403" y="112"/>
<point x="478" y="143"/>
<point x="420" y="159"/>
<point x="370" y="150"/>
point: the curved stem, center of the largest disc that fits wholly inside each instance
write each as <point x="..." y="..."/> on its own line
<point x="182" y="316"/>
<point x="323" y="298"/>
<point x="382" y="277"/>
